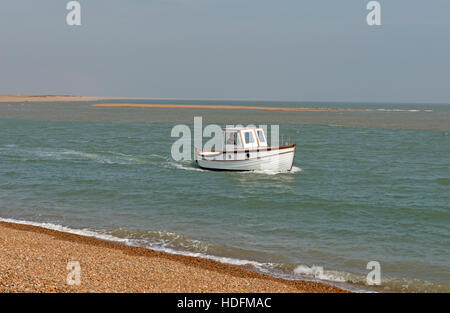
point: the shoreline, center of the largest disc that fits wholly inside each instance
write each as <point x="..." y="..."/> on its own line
<point x="34" y="259"/>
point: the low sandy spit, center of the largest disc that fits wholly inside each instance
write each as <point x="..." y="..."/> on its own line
<point x="67" y="98"/>
<point x="46" y="98"/>
<point x="35" y="259"/>
<point x="64" y="98"/>
<point x="217" y="107"/>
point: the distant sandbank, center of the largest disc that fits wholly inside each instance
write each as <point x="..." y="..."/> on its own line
<point x="68" y="98"/>
<point x="46" y="98"/>
<point x="35" y="259"/>
<point x="65" y="98"/>
<point x="218" y="107"/>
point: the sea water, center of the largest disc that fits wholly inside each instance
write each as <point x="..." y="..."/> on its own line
<point x="366" y="186"/>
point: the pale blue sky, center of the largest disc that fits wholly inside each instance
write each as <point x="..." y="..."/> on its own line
<point x="313" y="50"/>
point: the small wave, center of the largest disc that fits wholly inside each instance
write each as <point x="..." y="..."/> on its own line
<point x="294" y="170"/>
<point x="57" y="154"/>
<point x="81" y="232"/>
<point x="61" y="154"/>
<point x="263" y="172"/>
<point x="358" y="282"/>
<point x="186" y="167"/>
<point x="319" y="273"/>
<point x="140" y="160"/>
<point x="163" y="239"/>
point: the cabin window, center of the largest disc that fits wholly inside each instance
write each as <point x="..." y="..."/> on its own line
<point x="232" y="138"/>
<point x="249" y="138"/>
<point x="261" y="136"/>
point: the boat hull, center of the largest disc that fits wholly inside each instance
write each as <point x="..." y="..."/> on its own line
<point x="280" y="159"/>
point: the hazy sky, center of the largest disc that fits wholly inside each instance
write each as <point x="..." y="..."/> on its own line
<point x="302" y="50"/>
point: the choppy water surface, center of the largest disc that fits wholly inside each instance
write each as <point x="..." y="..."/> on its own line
<point x="356" y="194"/>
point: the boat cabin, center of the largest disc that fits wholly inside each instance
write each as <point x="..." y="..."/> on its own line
<point x="246" y="149"/>
<point x="244" y="138"/>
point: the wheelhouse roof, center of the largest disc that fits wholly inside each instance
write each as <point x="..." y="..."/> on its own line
<point x="239" y="128"/>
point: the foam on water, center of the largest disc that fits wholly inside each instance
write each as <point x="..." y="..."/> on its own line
<point x="81" y="232"/>
<point x="191" y="167"/>
<point x="186" y="167"/>
<point x="60" y="154"/>
<point x="294" y="170"/>
<point x="319" y="273"/>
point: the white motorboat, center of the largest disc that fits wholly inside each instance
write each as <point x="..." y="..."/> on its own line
<point x="246" y="149"/>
